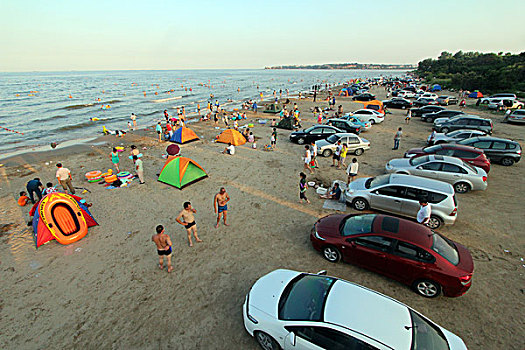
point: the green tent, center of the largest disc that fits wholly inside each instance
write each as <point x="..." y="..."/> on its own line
<point x="180" y="172"/>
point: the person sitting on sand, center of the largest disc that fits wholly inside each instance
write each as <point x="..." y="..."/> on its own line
<point x="188" y="221"/>
<point x="163" y="243"/>
<point x="229" y="150"/>
<point x="335" y="193"/>
<point x="22" y="200"/>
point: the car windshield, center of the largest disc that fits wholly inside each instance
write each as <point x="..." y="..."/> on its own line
<point x="304" y="297"/>
<point x="355" y="225"/>
<point x="377" y="181"/>
<point x="469" y="167"/>
<point x="445" y="248"/>
<point x="454" y="133"/>
<point x="425" y="335"/>
<point x="431" y="149"/>
<point x="418" y="160"/>
<point x="332" y="139"/>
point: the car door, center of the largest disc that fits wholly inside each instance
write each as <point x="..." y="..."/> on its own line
<point x="430" y="170"/>
<point x="370" y="252"/>
<point x="497" y="150"/>
<point x="410" y="201"/>
<point x="353" y="143"/>
<point x="315" y="134"/>
<point x="473" y="124"/>
<point x="387" y="198"/>
<point x="407" y="263"/>
<point x="321" y="337"/>
<point x="451" y="173"/>
<point x="485" y="146"/>
<point x="327" y="132"/>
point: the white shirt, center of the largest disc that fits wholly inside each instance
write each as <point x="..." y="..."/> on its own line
<point x="231" y="149"/>
<point x="352" y="168"/>
<point x="307" y="156"/>
<point x="63" y="174"/>
<point x="314" y="149"/>
<point x="338" y="150"/>
<point x="423" y="215"/>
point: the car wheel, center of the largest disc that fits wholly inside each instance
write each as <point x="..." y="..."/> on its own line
<point x="427" y="288"/>
<point x="372" y="121"/>
<point x="266" y="341"/>
<point x="327" y="153"/>
<point x="507" y="161"/>
<point x="360" y="204"/>
<point x="445" y="130"/>
<point x="331" y="254"/>
<point x="300" y="140"/>
<point x="428" y="120"/>
<point x="358" y="151"/>
<point x="461" y="187"/>
<point x="434" y="222"/>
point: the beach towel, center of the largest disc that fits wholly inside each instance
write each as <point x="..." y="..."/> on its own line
<point x="334" y="205"/>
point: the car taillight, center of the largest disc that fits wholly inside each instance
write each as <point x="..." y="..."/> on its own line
<point x="454" y="212"/>
<point x="465" y="280"/>
<point x="484" y="179"/>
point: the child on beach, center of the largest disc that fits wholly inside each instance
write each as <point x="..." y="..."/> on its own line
<point x="22" y="200"/>
<point x="163" y="243"/>
<point x="49" y="189"/>
<point x="302" y="188"/>
<point x="115" y="159"/>
<point x="273" y="138"/>
<point x="343" y="154"/>
<point x="251" y="139"/>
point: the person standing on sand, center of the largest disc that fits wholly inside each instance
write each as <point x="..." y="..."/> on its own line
<point x="188" y="221"/>
<point x="337" y="155"/>
<point x="307" y="159"/>
<point x="408" y="116"/>
<point x="302" y="188"/>
<point x="134" y="120"/>
<point x="64" y="178"/>
<point x="115" y="159"/>
<point x="139" y="169"/>
<point x="273" y="139"/>
<point x="313" y="153"/>
<point x="352" y="170"/>
<point x="163" y="243"/>
<point x="424" y="213"/>
<point x="397" y="138"/>
<point x="220" y="205"/>
<point x="158" y="128"/>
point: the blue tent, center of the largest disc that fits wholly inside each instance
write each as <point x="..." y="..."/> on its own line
<point x="183" y="135"/>
<point x="436" y="87"/>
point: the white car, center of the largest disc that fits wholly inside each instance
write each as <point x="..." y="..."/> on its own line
<point x="406" y="94"/>
<point x="429" y="95"/>
<point x="456" y="135"/>
<point x="356" y="144"/>
<point x="288" y="310"/>
<point x="497" y="97"/>
<point x="369" y="115"/>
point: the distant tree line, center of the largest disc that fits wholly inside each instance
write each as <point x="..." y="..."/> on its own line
<point x="487" y="72"/>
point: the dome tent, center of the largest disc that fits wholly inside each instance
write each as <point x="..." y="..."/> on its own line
<point x="180" y="172"/>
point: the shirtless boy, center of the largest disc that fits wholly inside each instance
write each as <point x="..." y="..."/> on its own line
<point x="188" y="221"/>
<point x="163" y="243"/>
<point x="220" y="205"/>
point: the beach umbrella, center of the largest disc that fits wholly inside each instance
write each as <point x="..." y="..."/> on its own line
<point x="173" y="150"/>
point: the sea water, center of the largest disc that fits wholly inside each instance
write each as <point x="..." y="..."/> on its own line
<point x="57" y="106"/>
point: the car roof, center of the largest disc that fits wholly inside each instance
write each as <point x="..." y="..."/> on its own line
<point x="491" y="138"/>
<point x="402" y="229"/>
<point x="469" y="130"/>
<point x="421" y="182"/>
<point x="345" y="134"/>
<point x="446" y="159"/>
<point x="460" y="147"/>
<point x="358" y="308"/>
<point x="337" y="120"/>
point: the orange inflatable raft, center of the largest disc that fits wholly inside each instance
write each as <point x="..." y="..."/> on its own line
<point x="63" y="217"/>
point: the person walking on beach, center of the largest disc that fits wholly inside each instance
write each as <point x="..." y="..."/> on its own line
<point x="134" y="120"/>
<point x="115" y="159"/>
<point x="344" y="150"/>
<point x="34" y="186"/>
<point x="397" y="138"/>
<point x="220" y="205"/>
<point x="302" y="188"/>
<point x="352" y="170"/>
<point x="313" y="152"/>
<point x="408" y="116"/>
<point x="307" y="159"/>
<point x="158" y="128"/>
<point x="187" y="219"/>
<point x="64" y="178"/>
<point x="139" y="169"/>
<point x="273" y="138"/>
<point x="423" y="215"/>
<point x="337" y="154"/>
<point x="254" y="107"/>
<point x="163" y="243"/>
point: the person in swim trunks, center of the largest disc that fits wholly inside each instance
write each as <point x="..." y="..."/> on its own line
<point x="163" y="243"/>
<point x="220" y="204"/>
<point x="188" y="221"/>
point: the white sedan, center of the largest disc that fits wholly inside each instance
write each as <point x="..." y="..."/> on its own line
<point x="406" y="94"/>
<point x="287" y="310"/>
<point x="369" y="115"/>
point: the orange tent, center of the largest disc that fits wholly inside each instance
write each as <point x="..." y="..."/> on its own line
<point x="376" y="105"/>
<point x="183" y="135"/>
<point x="231" y="136"/>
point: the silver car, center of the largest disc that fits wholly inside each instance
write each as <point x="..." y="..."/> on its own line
<point x="400" y="194"/>
<point x="456" y="135"/>
<point x="356" y="144"/>
<point x="455" y="171"/>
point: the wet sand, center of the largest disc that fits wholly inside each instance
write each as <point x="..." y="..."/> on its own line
<point x="106" y="290"/>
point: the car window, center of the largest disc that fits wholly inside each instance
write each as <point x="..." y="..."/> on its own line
<point x="485" y="123"/>
<point x="464" y="154"/>
<point x="436" y="166"/>
<point x="445" y="152"/>
<point x="461" y="135"/>
<point x="359" y="224"/>
<point x="390" y="191"/>
<point x="417" y="194"/>
<point x="374" y="242"/>
<point x="499" y="145"/>
<point x="415" y="161"/>
<point x="316" y="131"/>
<point x="452" y="168"/>
<point x="328" y="131"/>
<point x="475" y="122"/>
<point x="327" y="338"/>
<point x="425" y="335"/>
<point x="353" y="140"/>
<point x="445" y="248"/>
<point x="482" y="144"/>
<point x="511" y="146"/>
<point x="333" y="139"/>
<point x="410" y="251"/>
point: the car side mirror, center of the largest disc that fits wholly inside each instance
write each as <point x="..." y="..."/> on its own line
<point x="321" y="273"/>
<point x="291" y="338"/>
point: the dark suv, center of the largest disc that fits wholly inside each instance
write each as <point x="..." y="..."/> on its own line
<point x="465" y="122"/>
<point x="418" y="112"/>
<point x="506" y="152"/>
<point x="430" y="117"/>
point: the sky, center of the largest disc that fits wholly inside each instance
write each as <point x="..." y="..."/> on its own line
<point x="62" y="35"/>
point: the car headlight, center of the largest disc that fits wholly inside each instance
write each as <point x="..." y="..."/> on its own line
<point x="318" y="236"/>
<point x="250" y="317"/>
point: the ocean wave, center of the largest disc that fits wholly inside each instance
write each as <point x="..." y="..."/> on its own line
<point x="73" y="126"/>
<point x="48" y="119"/>
<point x="167" y="99"/>
<point x="85" y="105"/>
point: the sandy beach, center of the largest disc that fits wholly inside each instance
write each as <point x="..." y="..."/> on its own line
<point x="106" y="291"/>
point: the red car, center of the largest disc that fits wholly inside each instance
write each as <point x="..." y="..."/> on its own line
<point x="471" y="155"/>
<point x="400" y="249"/>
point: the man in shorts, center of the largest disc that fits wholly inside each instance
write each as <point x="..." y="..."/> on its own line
<point x="220" y="204"/>
<point x="163" y="243"/>
<point x="352" y="170"/>
<point x="337" y="154"/>
<point x="64" y="178"/>
<point x="158" y="128"/>
<point x="188" y="221"/>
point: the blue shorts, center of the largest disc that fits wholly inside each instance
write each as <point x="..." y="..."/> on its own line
<point x="223" y="208"/>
